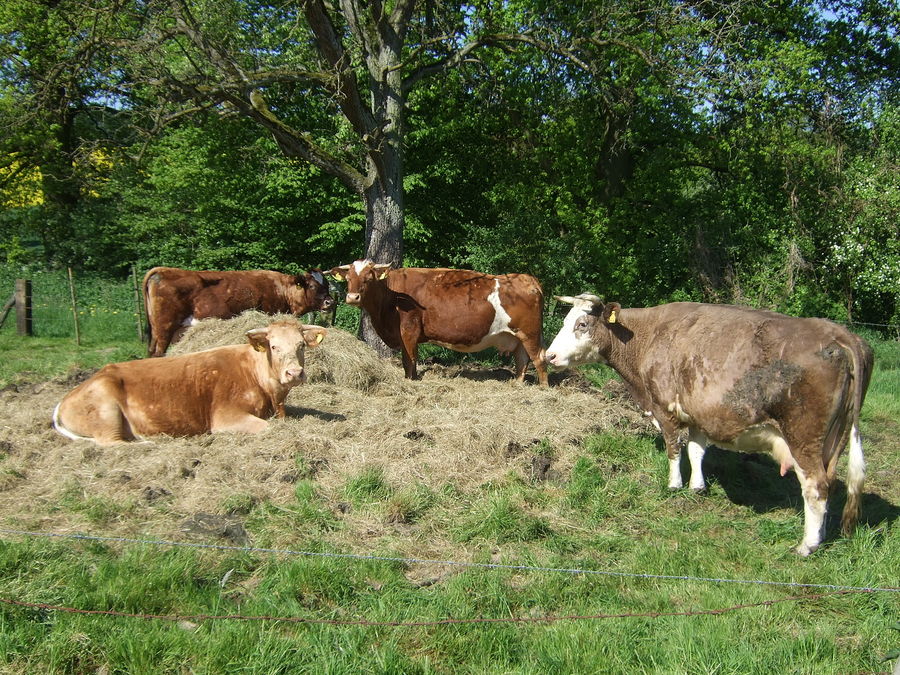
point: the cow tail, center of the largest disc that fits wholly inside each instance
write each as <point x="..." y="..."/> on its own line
<point x="861" y="360"/>
<point x="61" y="429"/>
<point x="148" y="302"/>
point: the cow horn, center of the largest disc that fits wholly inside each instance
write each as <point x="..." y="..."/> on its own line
<point x="585" y="300"/>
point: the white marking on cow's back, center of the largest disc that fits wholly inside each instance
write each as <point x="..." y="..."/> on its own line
<point x="499" y="334"/>
<point x="501" y="321"/>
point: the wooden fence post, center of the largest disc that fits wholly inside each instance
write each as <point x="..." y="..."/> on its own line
<point x="23" y="307"/>
<point x="74" y="307"/>
<point x="8" y="306"/>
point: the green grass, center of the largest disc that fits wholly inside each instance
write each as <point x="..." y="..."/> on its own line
<point x="677" y="534"/>
<point x="611" y="513"/>
<point x="107" y="324"/>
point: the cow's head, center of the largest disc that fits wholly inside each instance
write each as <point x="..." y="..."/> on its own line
<point x="584" y="336"/>
<point x="310" y="293"/>
<point x="284" y="343"/>
<point x="360" y="276"/>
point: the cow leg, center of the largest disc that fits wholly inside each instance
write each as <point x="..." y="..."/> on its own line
<point x="409" y="355"/>
<point x="521" y="357"/>
<point x="237" y="421"/>
<point x="162" y="337"/>
<point x="535" y="351"/>
<point x="814" y="487"/>
<point x="111" y="425"/>
<point x="696" y="449"/>
<point x="673" y="450"/>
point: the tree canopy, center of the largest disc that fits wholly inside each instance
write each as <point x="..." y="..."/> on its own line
<point x="731" y="151"/>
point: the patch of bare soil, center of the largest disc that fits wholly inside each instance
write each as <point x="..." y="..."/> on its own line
<point x="460" y="426"/>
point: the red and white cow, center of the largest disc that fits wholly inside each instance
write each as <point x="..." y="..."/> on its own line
<point x="233" y="388"/>
<point x="175" y="298"/>
<point x="738" y="378"/>
<point x="459" y="309"/>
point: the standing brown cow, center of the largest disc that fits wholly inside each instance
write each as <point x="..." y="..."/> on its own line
<point x="233" y="388"/>
<point x="177" y="298"/>
<point x="459" y="309"/>
<point x="738" y="378"/>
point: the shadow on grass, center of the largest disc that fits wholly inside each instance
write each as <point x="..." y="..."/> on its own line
<point x="754" y="481"/>
<point x="295" y="411"/>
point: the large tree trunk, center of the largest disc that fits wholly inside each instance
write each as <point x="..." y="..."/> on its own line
<point x="384" y="232"/>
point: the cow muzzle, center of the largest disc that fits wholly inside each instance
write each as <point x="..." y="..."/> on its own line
<point x="352" y="299"/>
<point x="294" y="376"/>
<point x="327" y="303"/>
<point x="554" y="359"/>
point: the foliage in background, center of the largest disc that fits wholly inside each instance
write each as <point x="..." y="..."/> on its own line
<point x="747" y="154"/>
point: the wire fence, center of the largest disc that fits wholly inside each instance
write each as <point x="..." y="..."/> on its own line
<point x="418" y="624"/>
<point x="826" y="590"/>
<point x="449" y="563"/>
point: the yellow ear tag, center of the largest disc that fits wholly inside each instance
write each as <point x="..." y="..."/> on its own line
<point x="612" y="317"/>
<point x="320" y="337"/>
<point x="259" y="347"/>
<point x="337" y="276"/>
<point x="383" y="275"/>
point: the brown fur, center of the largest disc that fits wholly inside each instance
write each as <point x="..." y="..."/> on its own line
<point x="722" y="370"/>
<point x="171" y="295"/>
<point x="414" y="305"/>
<point x="228" y="388"/>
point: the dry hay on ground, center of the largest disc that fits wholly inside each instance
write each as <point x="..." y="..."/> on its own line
<point x="341" y="358"/>
<point x="465" y="428"/>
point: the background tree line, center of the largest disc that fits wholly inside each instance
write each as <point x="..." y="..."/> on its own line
<point x="648" y="150"/>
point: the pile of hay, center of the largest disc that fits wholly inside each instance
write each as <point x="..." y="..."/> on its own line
<point x="466" y="428"/>
<point x="340" y="359"/>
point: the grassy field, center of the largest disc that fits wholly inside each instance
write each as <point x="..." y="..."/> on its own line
<point x="517" y="605"/>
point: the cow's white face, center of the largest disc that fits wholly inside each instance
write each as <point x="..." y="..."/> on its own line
<point x="285" y="342"/>
<point x="573" y="345"/>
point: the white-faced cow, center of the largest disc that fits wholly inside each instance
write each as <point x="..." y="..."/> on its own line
<point x="738" y="378"/>
<point x="176" y="298"/>
<point x="459" y="309"/>
<point x="233" y="388"/>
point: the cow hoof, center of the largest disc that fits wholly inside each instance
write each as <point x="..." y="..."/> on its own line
<point x="699" y="490"/>
<point x="803" y="550"/>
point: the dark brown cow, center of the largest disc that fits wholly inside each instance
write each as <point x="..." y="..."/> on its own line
<point x="459" y="309"/>
<point x="176" y="298"/>
<point x="232" y="388"/>
<point x="738" y="378"/>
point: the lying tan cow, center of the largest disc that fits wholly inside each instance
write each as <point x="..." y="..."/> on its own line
<point x="738" y="378"/>
<point x="233" y="388"/>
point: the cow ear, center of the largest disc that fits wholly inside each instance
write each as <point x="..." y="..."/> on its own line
<point x="339" y="272"/>
<point x="382" y="270"/>
<point x="313" y="335"/>
<point x="259" y="338"/>
<point x="611" y="312"/>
